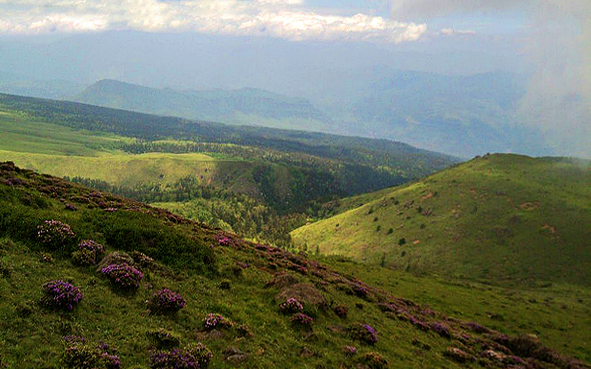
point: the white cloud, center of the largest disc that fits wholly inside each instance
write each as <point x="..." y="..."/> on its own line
<point x="461" y="32"/>
<point x="276" y="18"/>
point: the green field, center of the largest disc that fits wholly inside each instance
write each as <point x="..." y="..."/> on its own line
<point x="19" y="132"/>
<point x="503" y="218"/>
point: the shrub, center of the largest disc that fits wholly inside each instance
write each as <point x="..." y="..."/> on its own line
<point x="81" y="355"/>
<point x="373" y="360"/>
<point x="84" y="257"/>
<point x="91" y="245"/>
<point x="363" y="332"/>
<point x="123" y="276"/>
<point x="441" y="329"/>
<point x="291" y="306"/>
<point x="213" y="320"/>
<point x="302" y="320"/>
<point x="166" y="302"/>
<point x="60" y="295"/>
<point x="55" y="234"/>
<point x="164" y="339"/>
<point x="191" y="357"/>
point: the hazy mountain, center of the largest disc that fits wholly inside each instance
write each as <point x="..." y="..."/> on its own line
<point x="15" y="84"/>
<point x="459" y="115"/>
<point x="244" y="106"/>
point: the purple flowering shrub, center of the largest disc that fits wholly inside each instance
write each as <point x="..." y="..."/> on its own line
<point x="302" y="320"/>
<point x="55" y="234"/>
<point x="291" y="306"/>
<point x="88" y="253"/>
<point x="441" y="329"/>
<point x="163" y="339"/>
<point x="213" y="320"/>
<point x="60" y="295"/>
<point x="191" y="357"/>
<point x="363" y="332"/>
<point x="123" y="276"/>
<point x="79" y="354"/>
<point x="166" y="302"/>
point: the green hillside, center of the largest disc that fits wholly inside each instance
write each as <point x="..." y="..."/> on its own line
<point x="503" y="218"/>
<point x="237" y="178"/>
<point x="190" y="294"/>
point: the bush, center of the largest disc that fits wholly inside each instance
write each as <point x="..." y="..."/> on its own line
<point x="363" y="332"/>
<point x="123" y="276"/>
<point x="373" y="360"/>
<point x="81" y="355"/>
<point x="164" y="339"/>
<point x="302" y="320"/>
<point x="191" y="357"/>
<point x="84" y="257"/>
<point x="166" y="302"/>
<point x="291" y="306"/>
<point x="213" y="320"/>
<point x="60" y="295"/>
<point x="55" y="234"/>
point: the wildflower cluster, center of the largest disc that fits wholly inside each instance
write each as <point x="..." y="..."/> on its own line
<point x="441" y="329"/>
<point x="166" y="302"/>
<point x="363" y="332"/>
<point x="213" y="320"/>
<point x="123" y="276"/>
<point x="60" y="295"/>
<point x="291" y="306"/>
<point x="54" y="233"/>
<point x="191" y="357"/>
<point x="88" y="252"/>
<point x="81" y="355"/>
<point x="302" y="320"/>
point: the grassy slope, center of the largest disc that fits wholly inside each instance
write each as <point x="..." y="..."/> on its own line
<point x="22" y="133"/>
<point x="499" y="217"/>
<point x="558" y="313"/>
<point x="31" y="336"/>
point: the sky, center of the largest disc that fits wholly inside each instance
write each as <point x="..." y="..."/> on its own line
<point x="293" y="46"/>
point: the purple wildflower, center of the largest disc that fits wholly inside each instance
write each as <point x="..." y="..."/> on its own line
<point x="123" y="275"/>
<point x="60" y="295"/>
<point x="166" y="302"/>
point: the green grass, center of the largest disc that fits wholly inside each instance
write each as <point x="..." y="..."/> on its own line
<point x="121" y="169"/>
<point x="557" y="313"/>
<point x="25" y="134"/>
<point x="503" y="218"/>
<point x="31" y="336"/>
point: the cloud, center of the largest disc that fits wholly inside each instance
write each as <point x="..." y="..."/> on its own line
<point x="461" y="32"/>
<point x="277" y="18"/>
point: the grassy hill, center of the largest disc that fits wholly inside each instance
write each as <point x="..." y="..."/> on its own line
<point x="237" y="178"/>
<point x="355" y="324"/>
<point x="503" y="218"/>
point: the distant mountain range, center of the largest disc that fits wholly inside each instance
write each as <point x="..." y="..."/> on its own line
<point x="458" y="115"/>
